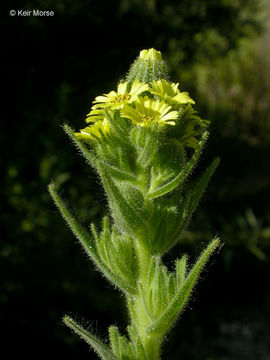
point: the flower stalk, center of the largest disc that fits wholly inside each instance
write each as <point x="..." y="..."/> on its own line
<point x="144" y="140"/>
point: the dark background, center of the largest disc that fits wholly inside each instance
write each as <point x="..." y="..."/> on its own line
<point x="53" y="68"/>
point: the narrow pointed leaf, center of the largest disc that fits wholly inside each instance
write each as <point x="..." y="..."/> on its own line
<point x="171" y="286"/>
<point x="143" y="301"/>
<point x="167" y="319"/>
<point x="95" y="234"/>
<point x="151" y="271"/>
<point x="195" y="196"/>
<point x="202" y="184"/>
<point x="87" y="242"/>
<point x="115" y="124"/>
<point x="90" y="158"/>
<point x="105" y="249"/>
<point x="132" y="313"/>
<point x="165" y="275"/>
<point x="181" y="177"/>
<point x="162" y="292"/>
<point x="114" y="339"/>
<point x="122" y="348"/>
<point x="140" y="350"/>
<point x="136" y="343"/>
<point x="98" y="346"/>
<point x="180" y="269"/>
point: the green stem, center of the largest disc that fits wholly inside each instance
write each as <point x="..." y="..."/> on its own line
<point x="140" y="318"/>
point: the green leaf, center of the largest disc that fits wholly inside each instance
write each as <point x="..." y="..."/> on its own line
<point x="152" y="269"/>
<point x="87" y="242"/>
<point x="201" y="186"/>
<point x="87" y="154"/>
<point x="124" y="213"/>
<point x="103" y="246"/>
<point x="171" y="286"/>
<point x="155" y="287"/>
<point x="148" y="149"/>
<point x="180" y="270"/>
<point x="98" y="346"/>
<point x="119" y="174"/>
<point x="120" y="345"/>
<point x="123" y="256"/>
<point x="132" y="310"/>
<point x="136" y="343"/>
<point x="116" y="121"/>
<point x="169" y="316"/>
<point x="114" y="339"/>
<point x="143" y="300"/>
<point x="162" y="289"/>
<point x="194" y="196"/>
<point x="181" y="177"/>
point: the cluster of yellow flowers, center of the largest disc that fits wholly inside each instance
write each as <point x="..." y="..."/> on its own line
<point x="144" y="104"/>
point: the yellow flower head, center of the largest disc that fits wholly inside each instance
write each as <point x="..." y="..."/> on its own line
<point x="116" y="100"/>
<point x="148" y="112"/>
<point x="151" y="55"/>
<point x="96" y="131"/>
<point x="170" y="93"/>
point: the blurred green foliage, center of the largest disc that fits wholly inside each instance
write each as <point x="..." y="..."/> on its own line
<point x="219" y="51"/>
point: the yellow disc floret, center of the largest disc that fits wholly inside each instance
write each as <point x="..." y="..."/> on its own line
<point x="124" y="95"/>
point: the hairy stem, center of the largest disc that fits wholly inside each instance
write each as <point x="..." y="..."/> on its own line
<point x="141" y="318"/>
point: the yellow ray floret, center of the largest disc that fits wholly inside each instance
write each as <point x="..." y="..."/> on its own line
<point x="124" y="95"/>
<point x="170" y="93"/>
<point x="148" y="112"/>
<point x="95" y="115"/>
<point x="97" y="131"/>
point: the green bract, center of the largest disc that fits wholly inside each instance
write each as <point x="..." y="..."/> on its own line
<point x="144" y="140"/>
